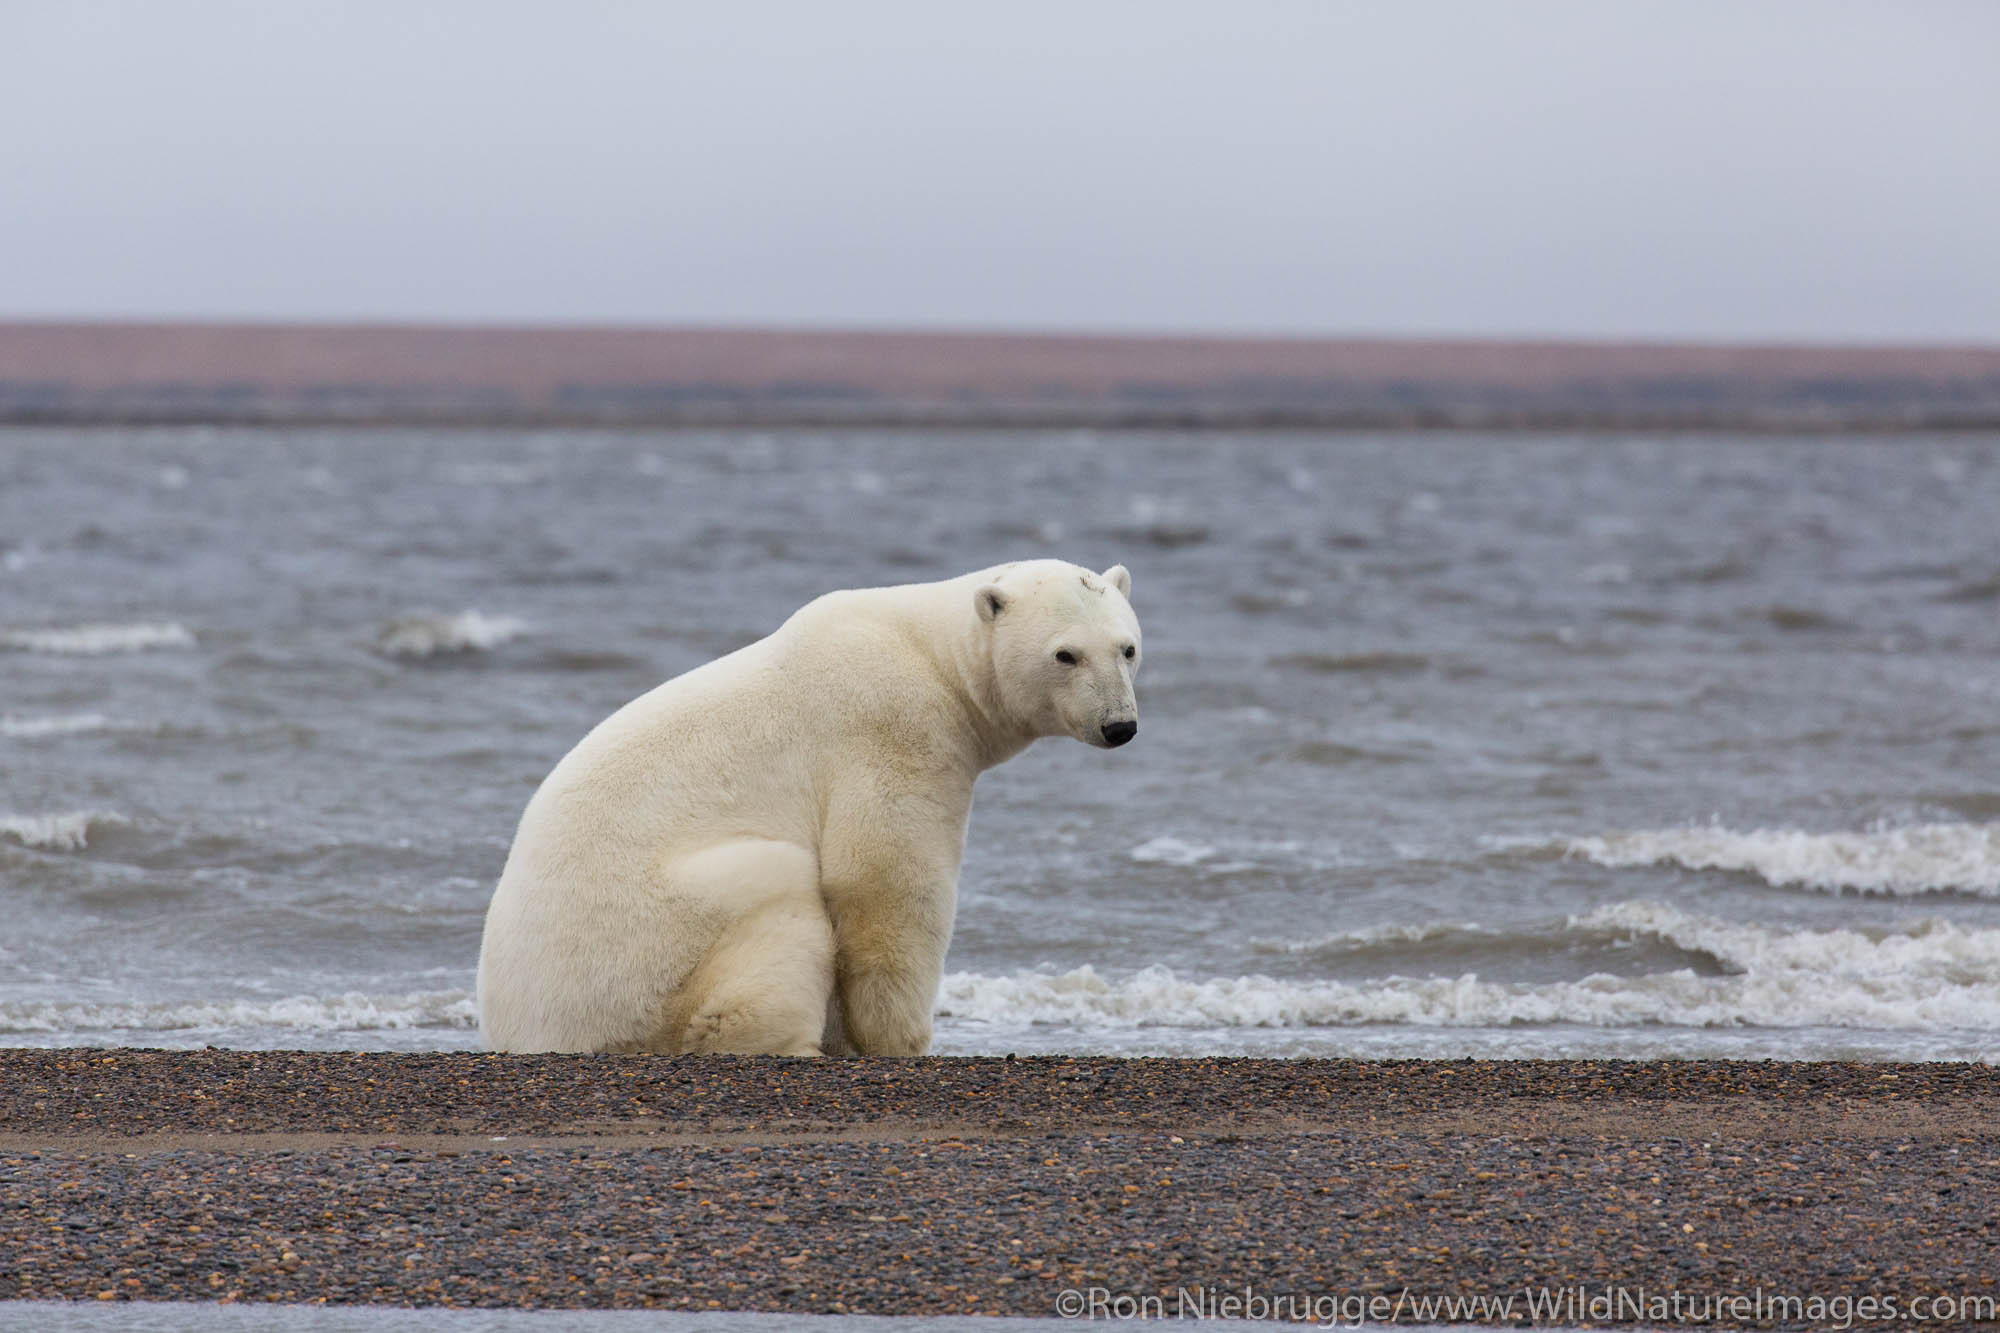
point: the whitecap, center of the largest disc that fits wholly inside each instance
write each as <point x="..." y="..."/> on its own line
<point x="349" y="1012"/>
<point x="98" y="640"/>
<point x="431" y="635"/>
<point x="1923" y="976"/>
<point x="1365" y="937"/>
<point x="66" y="832"/>
<point x="61" y="724"/>
<point x="1925" y="858"/>
<point x="1172" y="851"/>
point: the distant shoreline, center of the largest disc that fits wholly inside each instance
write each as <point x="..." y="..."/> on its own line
<point x="1247" y="423"/>
<point x="298" y="375"/>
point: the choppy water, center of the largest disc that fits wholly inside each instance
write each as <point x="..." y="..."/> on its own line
<point x="1452" y="744"/>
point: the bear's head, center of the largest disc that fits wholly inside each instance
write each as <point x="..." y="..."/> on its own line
<point x="1065" y="648"/>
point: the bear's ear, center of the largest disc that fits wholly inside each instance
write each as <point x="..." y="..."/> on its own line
<point x="1120" y="578"/>
<point x="990" y="601"/>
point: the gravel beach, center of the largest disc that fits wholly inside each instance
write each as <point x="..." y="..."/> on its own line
<point x="1032" y="1186"/>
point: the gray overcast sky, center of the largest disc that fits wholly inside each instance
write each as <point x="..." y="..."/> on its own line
<point x="1695" y="168"/>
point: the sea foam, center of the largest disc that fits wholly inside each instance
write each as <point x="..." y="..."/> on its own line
<point x="1925" y="858"/>
<point x="1373" y="936"/>
<point x="1172" y="851"/>
<point x="1925" y="975"/>
<point x="61" y="724"/>
<point x="99" y="640"/>
<point x="67" y="832"/>
<point x="430" y="636"/>
<point x="350" y="1012"/>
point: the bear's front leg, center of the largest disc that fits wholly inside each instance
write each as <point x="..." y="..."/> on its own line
<point x="889" y="874"/>
<point x="889" y="940"/>
<point x="886" y="1008"/>
<point x="889" y="945"/>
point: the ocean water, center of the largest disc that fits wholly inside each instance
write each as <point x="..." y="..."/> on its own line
<point x="1451" y="744"/>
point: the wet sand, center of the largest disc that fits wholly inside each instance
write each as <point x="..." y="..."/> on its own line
<point x="987" y="1185"/>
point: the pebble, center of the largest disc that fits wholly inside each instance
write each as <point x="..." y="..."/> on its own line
<point x="955" y="1186"/>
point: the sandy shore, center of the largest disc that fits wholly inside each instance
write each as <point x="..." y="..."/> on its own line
<point x="206" y="373"/>
<point x="992" y="1186"/>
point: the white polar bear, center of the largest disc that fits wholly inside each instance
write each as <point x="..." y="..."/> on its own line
<point x="761" y="856"/>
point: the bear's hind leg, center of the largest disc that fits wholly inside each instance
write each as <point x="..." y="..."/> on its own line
<point x="765" y="986"/>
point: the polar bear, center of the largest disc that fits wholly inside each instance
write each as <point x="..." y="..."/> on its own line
<point x="761" y="856"/>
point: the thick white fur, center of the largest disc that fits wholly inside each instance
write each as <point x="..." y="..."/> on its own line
<point x="762" y="855"/>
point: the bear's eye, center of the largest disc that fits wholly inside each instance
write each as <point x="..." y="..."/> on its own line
<point x="1066" y="657"/>
<point x="1130" y="652"/>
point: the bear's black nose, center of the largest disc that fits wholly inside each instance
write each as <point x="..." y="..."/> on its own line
<point x="1117" y="733"/>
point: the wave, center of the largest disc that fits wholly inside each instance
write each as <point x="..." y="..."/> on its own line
<point x="1369" y="937"/>
<point x="68" y="832"/>
<point x="1930" y="949"/>
<point x="1927" y="975"/>
<point x="67" y="724"/>
<point x="351" y="1012"/>
<point x="1926" y="858"/>
<point x="1233" y="856"/>
<point x="1172" y="851"/>
<point x="429" y="636"/>
<point x="99" y="640"/>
